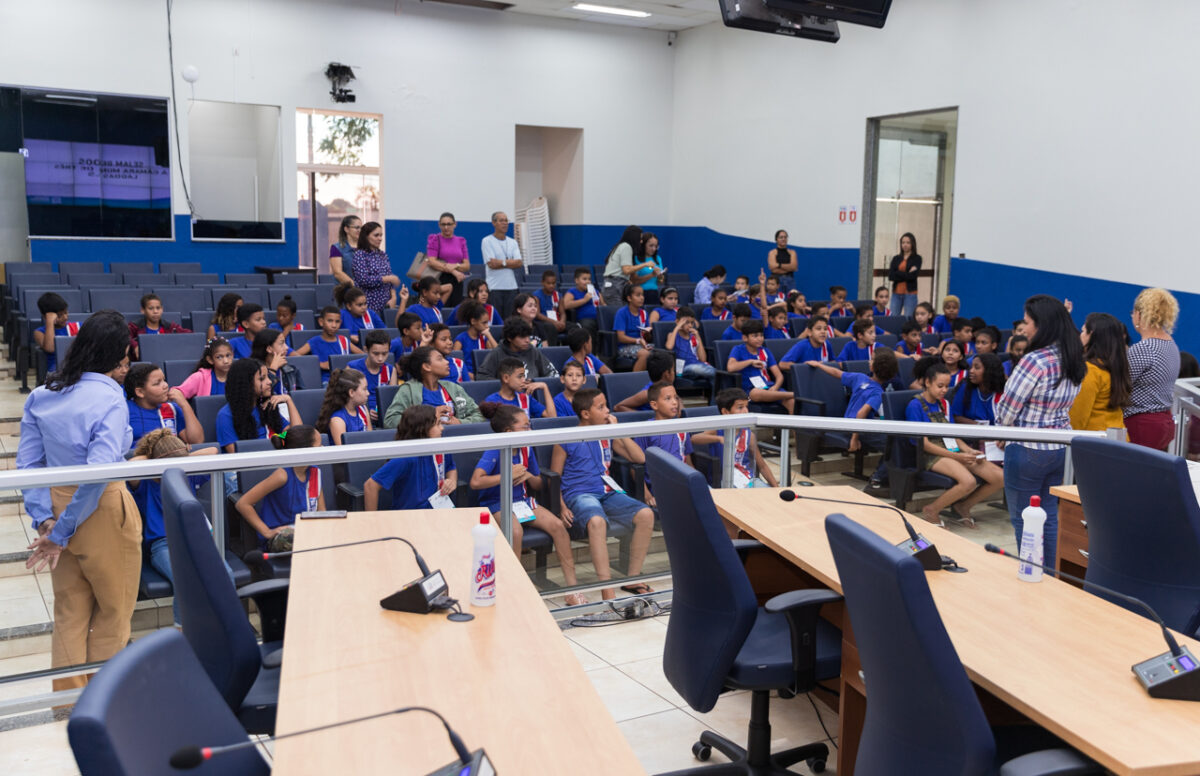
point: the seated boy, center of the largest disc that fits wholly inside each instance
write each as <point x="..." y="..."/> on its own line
<point x="328" y="342"/>
<point x="516" y="390"/>
<point x="866" y="402"/>
<point x="54" y="312"/>
<point x="964" y="333"/>
<point x="772" y="293"/>
<point x="582" y="301"/>
<point x="749" y="468"/>
<point x="660" y="367"/>
<point x="865" y="312"/>
<point x="863" y="346"/>
<point x="250" y="317"/>
<point x="376" y="368"/>
<point x="838" y="306"/>
<point x="777" y="323"/>
<point x="548" y="298"/>
<point x="412" y="335"/>
<point x="761" y="378"/>
<point x="741" y="313"/>
<point x="741" y="289"/>
<point x="910" y="340"/>
<point x="943" y="323"/>
<point x="814" y="348"/>
<point x="882" y="297"/>
<point x="684" y="342"/>
<point x="665" y="404"/>
<point x="573" y="380"/>
<point x="591" y="499"/>
<point x="580" y="343"/>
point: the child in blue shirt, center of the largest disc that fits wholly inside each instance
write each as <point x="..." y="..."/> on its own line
<point x="883" y="296"/>
<point x="684" y="343"/>
<point x="285" y="318"/>
<point x="761" y="379"/>
<point x="54" y="310"/>
<point x="251" y="321"/>
<point x="154" y="404"/>
<point x="251" y="410"/>
<point x="413" y="334"/>
<point x="664" y="402"/>
<point x="516" y="390"/>
<point x="329" y="342"/>
<point x="718" y="311"/>
<point x="375" y="368"/>
<point x="777" y="323"/>
<point x="429" y="301"/>
<point x="866" y="312"/>
<point x="549" y="298"/>
<point x="813" y="348"/>
<point x="582" y="300"/>
<point x="866" y="402"/>
<point x="838" y="306"/>
<point x="442" y="342"/>
<point x="668" y="300"/>
<point x="631" y="324"/>
<point x="344" y="409"/>
<point x="741" y="314"/>
<point x="863" y="346"/>
<point x="660" y="367"/>
<point x="416" y="482"/>
<point x="581" y="351"/>
<point x="573" y="380"/>
<point x="964" y="335"/>
<point x="477" y="336"/>
<point x="949" y="456"/>
<point x="477" y="291"/>
<point x="271" y="506"/>
<point x="748" y="463"/>
<point x="975" y="400"/>
<point x="354" y="313"/>
<point x="527" y="480"/>
<point x="591" y="499"/>
<point x="943" y="324"/>
<point x="1017" y="345"/>
<point x="910" y="340"/>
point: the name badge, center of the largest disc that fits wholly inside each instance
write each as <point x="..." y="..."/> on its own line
<point x="951" y="444"/>
<point x="679" y="365"/>
<point x="610" y="482"/>
<point x="522" y="511"/>
<point x="551" y="314"/>
<point x="439" y="501"/>
<point x="758" y="382"/>
<point x="740" y="479"/>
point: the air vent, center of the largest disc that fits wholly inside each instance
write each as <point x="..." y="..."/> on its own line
<point x="491" y="4"/>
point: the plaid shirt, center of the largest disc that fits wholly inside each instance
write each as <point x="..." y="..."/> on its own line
<point x="1037" y="395"/>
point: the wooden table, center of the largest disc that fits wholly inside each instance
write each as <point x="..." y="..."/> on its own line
<point x="1052" y="652"/>
<point x="1072" y="531"/>
<point x="506" y="681"/>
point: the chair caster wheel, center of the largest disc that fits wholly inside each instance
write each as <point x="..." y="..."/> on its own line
<point x="816" y="765"/>
<point x="701" y="751"/>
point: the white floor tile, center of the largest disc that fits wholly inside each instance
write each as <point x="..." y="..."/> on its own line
<point x="663" y="741"/>
<point x="587" y="660"/>
<point x="793" y="721"/>
<point x="625" y="698"/>
<point x="649" y="674"/>
<point x="21" y="602"/>
<point x="41" y="750"/>
<point x="625" y="642"/>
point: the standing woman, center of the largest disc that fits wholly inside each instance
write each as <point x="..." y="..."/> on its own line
<point x="373" y="269"/>
<point x="782" y="261"/>
<point x="1153" y="367"/>
<point x="89" y="535"/>
<point x="903" y="274"/>
<point x="652" y="269"/>
<point x="1106" y="387"/>
<point x="341" y="254"/>
<point x="619" y="266"/>
<point x="447" y="253"/>
<point x="1039" y="394"/>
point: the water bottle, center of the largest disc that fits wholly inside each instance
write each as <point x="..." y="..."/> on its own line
<point x="483" y="564"/>
<point x="1033" y="519"/>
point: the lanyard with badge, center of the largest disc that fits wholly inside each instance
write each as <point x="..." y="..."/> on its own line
<point x="940" y="415"/>
<point x="313" y="489"/>
<point x="761" y="380"/>
<point x="610" y="485"/>
<point x="742" y="476"/>
<point x="440" y="500"/>
<point x="523" y="507"/>
<point x="367" y="323"/>
<point x="166" y="416"/>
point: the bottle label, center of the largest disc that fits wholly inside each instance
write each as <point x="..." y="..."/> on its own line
<point x="485" y="578"/>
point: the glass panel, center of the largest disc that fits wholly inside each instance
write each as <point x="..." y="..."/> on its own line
<point x="338" y="196"/>
<point x="907" y="198"/>
<point x="351" y="141"/>
<point x="304" y="220"/>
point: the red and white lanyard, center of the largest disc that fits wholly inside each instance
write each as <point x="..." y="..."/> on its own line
<point x="458" y="367"/>
<point x="446" y="399"/>
<point x="589" y="368"/>
<point x="482" y="343"/>
<point x="385" y="374"/>
<point x="491" y="311"/>
<point x="929" y="329"/>
<point x="694" y="341"/>
<point x="643" y="318"/>
<point x="313" y="488"/>
<point x="724" y="316"/>
<point x="762" y="356"/>
<point x="523" y="455"/>
<point x="870" y="351"/>
<point x="364" y="415"/>
<point x="554" y="299"/>
<point x="438" y="313"/>
<point x="959" y="376"/>
<point x="343" y="343"/>
<point x="825" y="356"/>
<point x="72" y="328"/>
<point x="166" y="416"/>
<point x="523" y="401"/>
<point x="605" y="460"/>
<point x="741" y="447"/>
<point x="367" y="323"/>
<point x="439" y="467"/>
<point x="682" y="436"/>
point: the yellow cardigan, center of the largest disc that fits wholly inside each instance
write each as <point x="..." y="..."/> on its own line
<point x="1090" y="411"/>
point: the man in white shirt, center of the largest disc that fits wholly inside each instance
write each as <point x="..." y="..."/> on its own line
<point x="501" y="259"/>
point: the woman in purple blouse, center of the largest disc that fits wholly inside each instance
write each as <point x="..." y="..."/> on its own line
<point x="373" y="269"/>
<point x="447" y="254"/>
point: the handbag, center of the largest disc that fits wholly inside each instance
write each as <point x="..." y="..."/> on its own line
<point x="420" y="267"/>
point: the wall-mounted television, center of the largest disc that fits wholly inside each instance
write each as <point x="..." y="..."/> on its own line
<point x="754" y="15"/>
<point x="871" y="13"/>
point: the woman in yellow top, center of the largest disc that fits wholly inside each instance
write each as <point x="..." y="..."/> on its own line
<point x="1106" y="387"/>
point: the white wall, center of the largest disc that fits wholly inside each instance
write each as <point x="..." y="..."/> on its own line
<point x="451" y="83"/>
<point x="1076" y="138"/>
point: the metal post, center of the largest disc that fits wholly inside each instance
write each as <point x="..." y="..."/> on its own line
<point x="1068" y="468"/>
<point x="506" y="488"/>
<point x="1179" y="447"/>
<point x="216" y="482"/>
<point x="727" y="451"/>
<point x="785" y="457"/>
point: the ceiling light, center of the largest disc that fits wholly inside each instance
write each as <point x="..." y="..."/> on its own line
<point x="589" y="8"/>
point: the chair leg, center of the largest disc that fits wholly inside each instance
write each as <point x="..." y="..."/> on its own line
<point x="806" y="452"/>
<point x="790" y="757"/>
<point x="903" y="484"/>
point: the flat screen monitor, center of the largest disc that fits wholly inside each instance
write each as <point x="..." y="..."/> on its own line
<point x="872" y="13"/>
<point x="756" y="16"/>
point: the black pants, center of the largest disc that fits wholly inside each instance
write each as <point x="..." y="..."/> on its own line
<point x="456" y="291"/>
<point x="502" y="300"/>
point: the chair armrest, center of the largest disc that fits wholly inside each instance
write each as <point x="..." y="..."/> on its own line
<point x="273" y="659"/>
<point x="746" y="546"/>
<point x="785" y="603"/>
<point x="1050" y="762"/>
<point x="806" y="406"/>
<point x="802" y="609"/>
<point x="350" y="489"/>
<point x="608" y="343"/>
<point x="265" y="588"/>
<point x="271" y="599"/>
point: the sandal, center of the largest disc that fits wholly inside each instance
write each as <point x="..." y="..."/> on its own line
<point x="939" y="522"/>
<point x="575" y="599"/>
<point x="966" y="521"/>
<point x="641" y="588"/>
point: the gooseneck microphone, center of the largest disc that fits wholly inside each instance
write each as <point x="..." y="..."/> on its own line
<point x="420" y="561"/>
<point x="1170" y="675"/>
<point x="189" y="757"/>
<point x="917" y="545"/>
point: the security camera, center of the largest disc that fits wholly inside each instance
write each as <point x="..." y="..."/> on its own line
<point x="339" y="75"/>
<point x="671" y="36"/>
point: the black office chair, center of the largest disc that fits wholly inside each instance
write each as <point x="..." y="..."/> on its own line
<point x="1143" y="527"/>
<point x="149" y="700"/>
<point x="922" y="712"/>
<point x="719" y="639"/>
<point x="245" y="673"/>
<point x="906" y="470"/>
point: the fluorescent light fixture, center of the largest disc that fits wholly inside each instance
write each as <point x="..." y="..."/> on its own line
<point x="70" y="97"/>
<point x="589" y="8"/>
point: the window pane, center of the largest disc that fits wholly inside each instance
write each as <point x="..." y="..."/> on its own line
<point x="303" y="155"/>
<point x="346" y="140"/>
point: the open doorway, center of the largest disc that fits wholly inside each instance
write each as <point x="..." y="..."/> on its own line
<point x="908" y="188"/>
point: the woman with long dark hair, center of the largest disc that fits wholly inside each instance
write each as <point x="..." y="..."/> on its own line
<point x="427" y="375"/>
<point x="1105" y="389"/>
<point x="373" y="269"/>
<point x="90" y="536"/>
<point x="903" y="274"/>
<point x="251" y="411"/>
<point x="1153" y="367"/>
<point x="781" y="260"/>
<point x="1039" y="394"/>
<point x="341" y="253"/>
<point x="647" y="254"/>
<point x="619" y="267"/>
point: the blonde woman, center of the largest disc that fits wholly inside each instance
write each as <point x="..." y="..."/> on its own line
<point x="1153" y="367"/>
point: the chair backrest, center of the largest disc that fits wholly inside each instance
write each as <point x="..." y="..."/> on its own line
<point x="890" y="340"/>
<point x="67" y="267"/>
<point x="921" y="697"/>
<point x="901" y="451"/>
<point x="622" y="385"/>
<point x="148" y="279"/>
<point x="541" y="424"/>
<point x="842" y="322"/>
<point x="466" y="429"/>
<point x="72" y="296"/>
<point x="93" y="279"/>
<point x="207" y="408"/>
<point x="121" y="267"/>
<point x="713" y="606"/>
<point x="309" y="368"/>
<point x="1143" y="526"/>
<point x="308" y="403"/>
<point x="797" y="325"/>
<point x="196" y="278"/>
<point x="175" y="267"/>
<point x="149" y="700"/>
<point x="837" y="343"/>
<point x="905" y="373"/>
<point x="383" y="397"/>
<point x="711" y="331"/>
<point x="209" y="610"/>
<point x="177" y="370"/>
<point x="126" y="300"/>
<point x="557" y="355"/>
<point x="862" y="367"/>
<point x="707" y="411"/>
<point x="245" y="278"/>
<point x="158" y="348"/>
<point x="481" y="389"/>
<point x="777" y="347"/>
<point x="180" y="299"/>
<point x="305" y="298"/>
<point x="890" y="323"/>
<point x="633" y="416"/>
<point x="248" y="478"/>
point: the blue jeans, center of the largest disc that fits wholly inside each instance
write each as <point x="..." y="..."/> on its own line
<point x="903" y="304"/>
<point x="1029" y="472"/>
<point x="160" y="561"/>
<point x="614" y="508"/>
<point x="699" y="372"/>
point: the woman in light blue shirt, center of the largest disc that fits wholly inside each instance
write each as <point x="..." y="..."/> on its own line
<point x="88" y="535"/>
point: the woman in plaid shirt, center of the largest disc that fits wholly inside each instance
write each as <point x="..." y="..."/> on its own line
<point x="1039" y="394"/>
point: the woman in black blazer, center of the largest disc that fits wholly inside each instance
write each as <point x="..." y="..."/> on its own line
<point x="903" y="274"/>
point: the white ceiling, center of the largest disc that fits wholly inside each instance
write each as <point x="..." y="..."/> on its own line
<point x="666" y="15"/>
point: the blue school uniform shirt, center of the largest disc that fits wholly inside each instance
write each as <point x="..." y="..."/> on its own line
<point x="70" y="330"/>
<point x="863" y="390"/>
<point x="841" y="312"/>
<point x="241" y="347"/>
<point x="943" y="325"/>
<point x="437" y="397"/>
<point x="773" y="333"/>
<point x="356" y="323"/>
<point x="467" y="344"/>
<point x="354" y="421"/>
<point x="584" y="468"/>
<point x="805" y="351"/>
<point x="546" y="302"/>
<point x="743" y="456"/>
<point x="226" y="435"/>
<point x="852" y="352"/>
<point x="143" y="421"/>
<point x="677" y="445"/>
<point x="586" y="310"/>
<point x="323" y="350"/>
<point x="743" y="353"/>
<point x="148" y="497"/>
<point x="373" y="380"/>
<point x="668" y="314"/>
<point x="280" y="506"/>
<point x="532" y="407"/>
<point x="428" y="315"/>
<point x="630" y="322"/>
<point x="685" y="348"/>
<point x="562" y="405"/>
<point x="709" y="315"/>
<point x="399" y="350"/>
<point x="458" y="370"/>
<point x="958" y="377"/>
<point x="731" y="334"/>
<point x="489" y="462"/>
<point x="296" y="326"/>
<point x="906" y="350"/>
<point x="919" y="411"/>
<point x="591" y="365"/>
<point x="414" y="479"/>
<point x="978" y="407"/>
